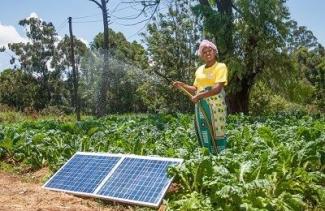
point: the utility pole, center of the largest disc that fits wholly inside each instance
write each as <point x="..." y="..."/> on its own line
<point x="74" y="72"/>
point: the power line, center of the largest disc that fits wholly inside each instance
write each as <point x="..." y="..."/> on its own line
<point x="141" y="21"/>
<point x="62" y="27"/>
<point x="148" y="21"/>
<point x="63" y="22"/>
<point x="87" y="16"/>
<point x="120" y="9"/>
<point x="136" y="33"/>
<point x="91" y="21"/>
<point x="131" y="17"/>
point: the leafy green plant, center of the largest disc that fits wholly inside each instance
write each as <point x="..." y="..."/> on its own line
<point x="273" y="162"/>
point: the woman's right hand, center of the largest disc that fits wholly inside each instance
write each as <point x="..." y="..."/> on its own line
<point x="178" y="84"/>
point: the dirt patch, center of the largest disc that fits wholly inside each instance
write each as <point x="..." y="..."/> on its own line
<point x="18" y="194"/>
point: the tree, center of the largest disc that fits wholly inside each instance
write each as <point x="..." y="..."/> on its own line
<point x="172" y="40"/>
<point x="259" y="31"/>
<point x="249" y="35"/>
<point x="218" y="23"/>
<point x="35" y="56"/>
<point x="121" y="49"/>
<point x="18" y="89"/>
<point x="62" y="63"/>
<point x="300" y="36"/>
<point x="312" y="65"/>
<point x="127" y="61"/>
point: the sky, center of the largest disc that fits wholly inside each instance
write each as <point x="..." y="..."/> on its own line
<point x="87" y="19"/>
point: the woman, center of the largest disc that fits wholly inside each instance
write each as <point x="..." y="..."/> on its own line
<point x="209" y="98"/>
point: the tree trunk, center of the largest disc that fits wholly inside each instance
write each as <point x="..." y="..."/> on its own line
<point x="46" y="86"/>
<point x="225" y="7"/>
<point x="104" y="84"/>
<point x="238" y="102"/>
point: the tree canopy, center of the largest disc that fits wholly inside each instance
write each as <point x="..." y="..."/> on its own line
<point x="268" y="54"/>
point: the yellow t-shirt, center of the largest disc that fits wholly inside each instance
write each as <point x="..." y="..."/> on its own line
<point x="205" y="77"/>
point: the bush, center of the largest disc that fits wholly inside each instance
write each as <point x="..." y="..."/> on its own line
<point x="11" y="117"/>
<point x="280" y="104"/>
<point x="5" y="108"/>
<point x="263" y="100"/>
<point x="52" y="110"/>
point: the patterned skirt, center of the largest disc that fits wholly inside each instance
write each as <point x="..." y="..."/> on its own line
<point x="210" y="122"/>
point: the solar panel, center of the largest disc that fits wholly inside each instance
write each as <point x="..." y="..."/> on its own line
<point x="127" y="178"/>
<point x="82" y="173"/>
<point x="138" y="180"/>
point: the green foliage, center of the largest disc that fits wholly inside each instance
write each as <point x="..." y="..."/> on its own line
<point x="261" y="45"/>
<point x="300" y="36"/>
<point x="47" y="142"/>
<point x="256" y="40"/>
<point x="11" y="116"/>
<point x="34" y="55"/>
<point x="311" y="64"/>
<point x="121" y="49"/>
<point x="218" y="24"/>
<point x="260" y="30"/>
<point x="273" y="162"/>
<point x="264" y="100"/>
<point x="126" y="63"/>
<point x="125" y="79"/>
<point x="192" y="201"/>
<point x="62" y="63"/>
<point x="18" y="89"/>
<point x="178" y="31"/>
<point x="303" y="84"/>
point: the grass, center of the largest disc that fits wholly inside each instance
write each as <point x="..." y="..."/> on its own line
<point x="14" y="117"/>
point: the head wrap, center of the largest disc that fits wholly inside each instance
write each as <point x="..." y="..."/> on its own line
<point x="206" y="43"/>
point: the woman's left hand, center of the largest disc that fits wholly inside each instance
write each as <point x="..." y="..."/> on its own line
<point x="196" y="98"/>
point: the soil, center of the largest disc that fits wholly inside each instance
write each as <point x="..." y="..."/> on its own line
<point x="25" y="192"/>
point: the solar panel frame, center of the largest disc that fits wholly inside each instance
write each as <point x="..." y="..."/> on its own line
<point x="111" y="172"/>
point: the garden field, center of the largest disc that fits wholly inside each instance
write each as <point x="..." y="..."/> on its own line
<point x="273" y="162"/>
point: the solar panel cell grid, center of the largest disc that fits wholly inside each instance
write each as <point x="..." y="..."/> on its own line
<point x="138" y="180"/>
<point x="83" y="173"/>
